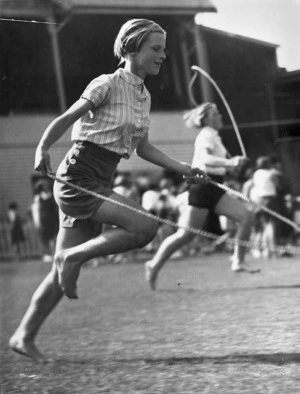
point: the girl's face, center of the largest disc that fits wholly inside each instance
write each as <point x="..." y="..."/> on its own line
<point x="150" y="56"/>
<point x="214" y="119"/>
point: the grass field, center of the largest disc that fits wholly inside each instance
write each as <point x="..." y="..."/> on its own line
<point x="205" y="330"/>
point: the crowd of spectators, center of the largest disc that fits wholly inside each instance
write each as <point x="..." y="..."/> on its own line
<point x="165" y="195"/>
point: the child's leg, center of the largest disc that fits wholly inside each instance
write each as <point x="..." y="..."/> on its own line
<point x="43" y="301"/>
<point x="130" y="230"/>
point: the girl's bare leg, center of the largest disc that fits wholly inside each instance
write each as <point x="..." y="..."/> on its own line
<point x="191" y="216"/>
<point x="132" y="231"/>
<point x="43" y="301"/>
<point x="268" y="238"/>
<point x="244" y="215"/>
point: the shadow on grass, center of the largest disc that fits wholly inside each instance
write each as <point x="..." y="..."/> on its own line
<point x="278" y="287"/>
<point x="227" y="290"/>
<point x="275" y="359"/>
<point x="264" y="358"/>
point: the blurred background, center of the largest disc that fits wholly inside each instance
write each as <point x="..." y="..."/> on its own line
<point x="51" y="49"/>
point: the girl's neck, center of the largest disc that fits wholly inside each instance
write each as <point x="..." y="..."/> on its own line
<point x="130" y="68"/>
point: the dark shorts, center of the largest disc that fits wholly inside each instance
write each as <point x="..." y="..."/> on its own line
<point x="91" y="167"/>
<point x="206" y="195"/>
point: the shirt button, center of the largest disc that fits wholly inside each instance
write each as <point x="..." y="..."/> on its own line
<point x="72" y="161"/>
<point x="76" y="152"/>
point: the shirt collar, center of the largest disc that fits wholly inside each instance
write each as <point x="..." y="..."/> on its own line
<point x="128" y="77"/>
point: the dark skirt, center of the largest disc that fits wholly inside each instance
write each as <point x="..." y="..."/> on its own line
<point x="89" y="166"/>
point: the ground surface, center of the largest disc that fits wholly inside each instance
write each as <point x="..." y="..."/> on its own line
<point x="205" y="330"/>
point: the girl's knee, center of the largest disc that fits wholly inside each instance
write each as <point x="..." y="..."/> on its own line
<point x="184" y="237"/>
<point x="147" y="233"/>
<point x="251" y="215"/>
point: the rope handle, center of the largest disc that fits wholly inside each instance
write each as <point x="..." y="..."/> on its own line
<point x="199" y="179"/>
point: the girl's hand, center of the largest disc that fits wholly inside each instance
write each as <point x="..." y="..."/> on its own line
<point x="42" y="161"/>
<point x="189" y="171"/>
<point x="194" y="175"/>
<point x="197" y="171"/>
<point x="238" y="161"/>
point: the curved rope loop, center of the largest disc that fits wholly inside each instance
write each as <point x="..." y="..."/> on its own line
<point x="198" y="69"/>
<point x="190" y="90"/>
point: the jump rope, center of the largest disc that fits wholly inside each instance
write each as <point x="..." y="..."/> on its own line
<point x="195" y="179"/>
<point x="199" y="179"/>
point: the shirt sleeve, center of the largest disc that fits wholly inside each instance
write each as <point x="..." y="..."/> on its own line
<point x="98" y="90"/>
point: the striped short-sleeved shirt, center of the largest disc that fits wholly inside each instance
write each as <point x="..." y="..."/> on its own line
<point x="120" y="118"/>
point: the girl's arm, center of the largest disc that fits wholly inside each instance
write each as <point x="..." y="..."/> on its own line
<point x="205" y="156"/>
<point x="55" y="131"/>
<point x="150" y="153"/>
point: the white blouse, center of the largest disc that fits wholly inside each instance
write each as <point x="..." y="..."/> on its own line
<point x="209" y="139"/>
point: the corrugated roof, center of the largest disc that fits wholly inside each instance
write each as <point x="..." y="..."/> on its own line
<point x="190" y="6"/>
<point x="238" y="36"/>
<point x="10" y="8"/>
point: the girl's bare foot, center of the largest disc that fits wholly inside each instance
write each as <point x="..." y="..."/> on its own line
<point x="27" y="348"/>
<point x="68" y="273"/>
<point x="151" y="274"/>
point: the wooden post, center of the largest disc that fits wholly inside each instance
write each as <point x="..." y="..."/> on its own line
<point x="202" y="59"/>
<point x="57" y="64"/>
<point x="184" y="53"/>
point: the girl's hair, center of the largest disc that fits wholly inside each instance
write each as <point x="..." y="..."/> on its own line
<point x="194" y="118"/>
<point x="133" y="34"/>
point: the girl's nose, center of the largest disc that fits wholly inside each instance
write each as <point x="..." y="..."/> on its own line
<point x="163" y="55"/>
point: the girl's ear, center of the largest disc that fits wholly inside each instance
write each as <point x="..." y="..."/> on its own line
<point x="130" y="56"/>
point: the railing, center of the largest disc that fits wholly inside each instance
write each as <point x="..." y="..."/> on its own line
<point x="32" y="247"/>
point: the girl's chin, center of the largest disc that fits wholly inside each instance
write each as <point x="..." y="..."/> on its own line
<point x="155" y="71"/>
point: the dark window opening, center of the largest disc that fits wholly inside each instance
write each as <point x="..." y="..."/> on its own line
<point x="28" y="82"/>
